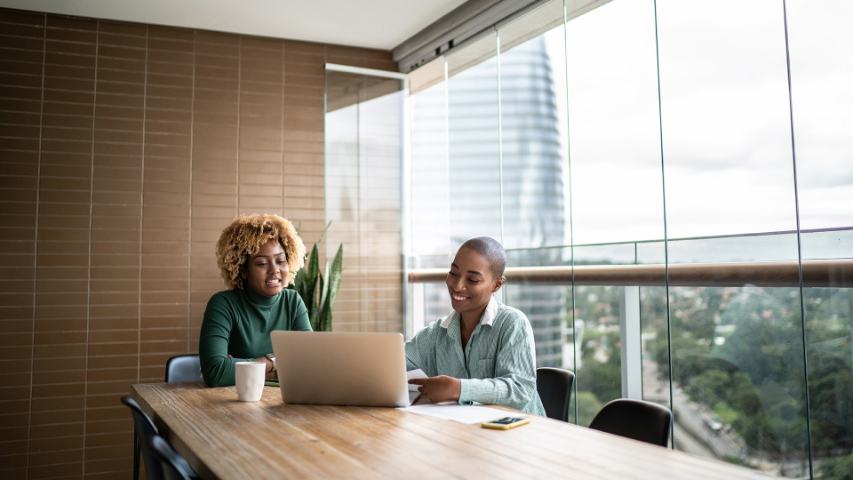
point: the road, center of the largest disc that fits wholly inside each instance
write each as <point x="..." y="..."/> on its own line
<point x="691" y="433"/>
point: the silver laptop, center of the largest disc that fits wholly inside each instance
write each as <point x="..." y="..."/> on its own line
<point x="326" y="368"/>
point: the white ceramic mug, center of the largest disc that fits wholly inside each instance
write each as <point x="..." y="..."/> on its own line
<point x="249" y="379"/>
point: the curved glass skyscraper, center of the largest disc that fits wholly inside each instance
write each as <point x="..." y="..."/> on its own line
<point x="502" y="175"/>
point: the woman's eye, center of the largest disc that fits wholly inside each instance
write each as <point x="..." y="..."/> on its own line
<point x="453" y="274"/>
<point x="474" y="280"/>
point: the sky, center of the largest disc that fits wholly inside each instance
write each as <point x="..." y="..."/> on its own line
<point x="726" y="124"/>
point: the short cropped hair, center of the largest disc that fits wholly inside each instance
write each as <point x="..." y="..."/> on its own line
<point x="246" y="235"/>
<point x="492" y="250"/>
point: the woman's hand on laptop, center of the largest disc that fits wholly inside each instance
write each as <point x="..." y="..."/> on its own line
<point x="439" y="389"/>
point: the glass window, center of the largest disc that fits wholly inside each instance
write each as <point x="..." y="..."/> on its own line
<point x="535" y="174"/>
<point x="736" y="345"/>
<point x="473" y="146"/>
<point x="363" y="178"/>
<point x="726" y="130"/>
<point x="616" y="196"/>
<point x="643" y="151"/>
<point x="613" y="124"/>
<point x="429" y="217"/>
<point x="822" y="94"/>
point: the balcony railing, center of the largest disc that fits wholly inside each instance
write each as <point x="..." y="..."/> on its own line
<point x="815" y="273"/>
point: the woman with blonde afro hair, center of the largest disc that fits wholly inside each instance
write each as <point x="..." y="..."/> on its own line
<point x="258" y="256"/>
<point x="246" y="235"/>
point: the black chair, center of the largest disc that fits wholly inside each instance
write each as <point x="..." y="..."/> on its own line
<point x="554" y="386"/>
<point x="173" y="465"/>
<point x="143" y="430"/>
<point x="183" y="368"/>
<point x="637" y="419"/>
<point x="180" y="368"/>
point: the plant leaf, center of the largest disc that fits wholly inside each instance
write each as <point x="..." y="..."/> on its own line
<point x="323" y="235"/>
<point x="334" y="282"/>
<point x="319" y="312"/>
<point x="318" y="289"/>
<point x="310" y="287"/>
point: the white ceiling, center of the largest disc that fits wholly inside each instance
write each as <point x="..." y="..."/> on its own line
<point x="382" y="24"/>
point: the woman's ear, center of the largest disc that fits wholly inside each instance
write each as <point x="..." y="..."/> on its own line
<point x="499" y="283"/>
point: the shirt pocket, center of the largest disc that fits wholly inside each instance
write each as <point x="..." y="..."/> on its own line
<point x="485" y="368"/>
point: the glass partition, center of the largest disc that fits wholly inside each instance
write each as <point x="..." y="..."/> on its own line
<point x="364" y="151"/>
<point x="473" y="147"/>
<point x="822" y="101"/>
<point x="532" y="78"/>
<point x="616" y="195"/>
<point x="725" y="118"/>
<point x="674" y="207"/>
<point x="737" y="350"/>
<point x="613" y="132"/>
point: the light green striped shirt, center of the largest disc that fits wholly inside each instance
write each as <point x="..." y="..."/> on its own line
<point x="497" y="366"/>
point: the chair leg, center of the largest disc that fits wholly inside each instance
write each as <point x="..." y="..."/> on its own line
<point x="135" y="455"/>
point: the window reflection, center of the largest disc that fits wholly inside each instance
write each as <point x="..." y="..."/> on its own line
<point x="533" y="161"/>
<point x="473" y="143"/>
<point x="430" y="192"/>
<point x="362" y="198"/>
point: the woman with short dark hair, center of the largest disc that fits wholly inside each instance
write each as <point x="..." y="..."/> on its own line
<point x="483" y="352"/>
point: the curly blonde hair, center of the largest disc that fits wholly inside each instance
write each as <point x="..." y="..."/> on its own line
<point x="246" y="235"/>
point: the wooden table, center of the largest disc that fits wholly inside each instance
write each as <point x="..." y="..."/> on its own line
<point x="224" y="438"/>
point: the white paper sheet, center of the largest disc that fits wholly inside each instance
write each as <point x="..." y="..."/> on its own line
<point x="416" y="373"/>
<point x="459" y="413"/>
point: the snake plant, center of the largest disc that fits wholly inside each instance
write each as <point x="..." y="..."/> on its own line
<point x="318" y="289"/>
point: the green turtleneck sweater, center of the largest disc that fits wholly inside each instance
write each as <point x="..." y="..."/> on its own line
<point x="238" y="323"/>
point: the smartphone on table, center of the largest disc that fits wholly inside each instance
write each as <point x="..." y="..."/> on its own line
<point x="506" y="423"/>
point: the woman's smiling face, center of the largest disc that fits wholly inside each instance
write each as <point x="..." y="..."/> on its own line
<point x="471" y="282"/>
<point x="266" y="271"/>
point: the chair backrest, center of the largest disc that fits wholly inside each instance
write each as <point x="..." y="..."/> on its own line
<point x="637" y="419"/>
<point x="555" y="390"/>
<point x="174" y="466"/>
<point x="183" y="368"/>
<point x="145" y="429"/>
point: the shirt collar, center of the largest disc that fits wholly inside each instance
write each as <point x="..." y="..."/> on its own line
<point x="488" y="317"/>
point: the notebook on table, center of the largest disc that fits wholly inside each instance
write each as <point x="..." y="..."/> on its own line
<point x="332" y="368"/>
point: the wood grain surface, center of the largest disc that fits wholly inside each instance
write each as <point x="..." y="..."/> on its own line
<point x="224" y="438"/>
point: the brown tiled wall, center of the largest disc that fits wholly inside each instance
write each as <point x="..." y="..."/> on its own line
<point x="124" y="150"/>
